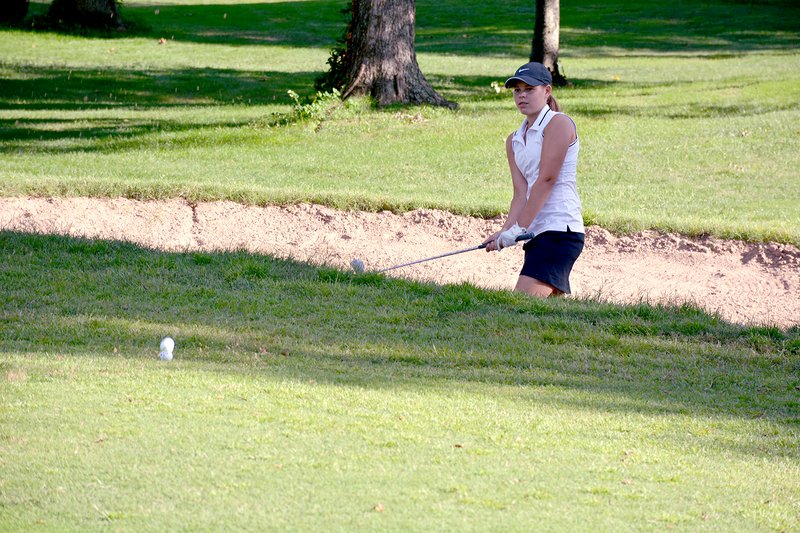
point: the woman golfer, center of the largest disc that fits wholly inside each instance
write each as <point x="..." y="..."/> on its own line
<point x="543" y="156"/>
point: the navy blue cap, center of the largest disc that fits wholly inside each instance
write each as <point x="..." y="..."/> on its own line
<point x="532" y="74"/>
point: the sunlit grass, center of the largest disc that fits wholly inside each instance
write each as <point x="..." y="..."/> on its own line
<point x="376" y="403"/>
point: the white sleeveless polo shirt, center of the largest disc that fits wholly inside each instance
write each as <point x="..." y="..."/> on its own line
<point x="563" y="208"/>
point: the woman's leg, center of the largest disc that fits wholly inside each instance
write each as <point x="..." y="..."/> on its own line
<point x="534" y="287"/>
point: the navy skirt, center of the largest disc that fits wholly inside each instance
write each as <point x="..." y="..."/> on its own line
<point x="550" y="255"/>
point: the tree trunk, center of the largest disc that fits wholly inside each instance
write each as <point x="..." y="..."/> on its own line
<point x="546" y="29"/>
<point x="379" y="57"/>
<point x="87" y="13"/>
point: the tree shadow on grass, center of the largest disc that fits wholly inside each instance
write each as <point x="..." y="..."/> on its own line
<point x="108" y="96"/>
<point x="73" y="296"/>
<point x="110" y="88"/>
<point x="101" y="135"/>
<point x="109" y="93"/>
<point x="720" y="27"/>
<point x="588" y="28"/>
<point x="307" y="24"/>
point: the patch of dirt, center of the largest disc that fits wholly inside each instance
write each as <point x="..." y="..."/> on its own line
<point x="742" y="282"/>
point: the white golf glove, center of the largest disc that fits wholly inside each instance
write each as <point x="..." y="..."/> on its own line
<point x="509" y="236"/>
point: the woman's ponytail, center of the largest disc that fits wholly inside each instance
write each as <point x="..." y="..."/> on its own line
<point x="553" y="103"/>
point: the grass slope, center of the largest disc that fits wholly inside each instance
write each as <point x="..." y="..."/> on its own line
<point x="318" y="400"/>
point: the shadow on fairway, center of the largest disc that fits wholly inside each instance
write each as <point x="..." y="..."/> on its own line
<point x="493" y="28"/>
<point x="589" y="28"/>
<point x="106" y="93"/>
<point x="110" y="88"/>
<point x="285" y="319"/>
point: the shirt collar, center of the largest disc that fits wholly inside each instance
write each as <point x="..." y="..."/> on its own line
<point x="537" y="124"/>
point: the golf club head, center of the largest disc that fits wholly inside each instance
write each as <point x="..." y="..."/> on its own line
<point x="357" y="265"/>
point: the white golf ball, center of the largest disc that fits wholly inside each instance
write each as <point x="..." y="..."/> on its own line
<point x="167" y="346"/>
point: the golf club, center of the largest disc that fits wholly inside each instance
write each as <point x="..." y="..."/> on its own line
<point x="358" y="265"/>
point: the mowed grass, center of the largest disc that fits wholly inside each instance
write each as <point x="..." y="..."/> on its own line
<point x="687" y="111"/>
<point x="308" y="399"/>
<point x="311" y="399"/>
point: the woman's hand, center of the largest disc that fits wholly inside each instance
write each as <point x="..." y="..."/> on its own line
<point x="509" y="237"/>
<point x="491" y="242"/>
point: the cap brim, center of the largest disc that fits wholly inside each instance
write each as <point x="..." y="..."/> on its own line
<point x="510" y="82"/>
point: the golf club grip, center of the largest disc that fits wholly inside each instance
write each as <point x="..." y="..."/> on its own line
<point x="523" y="237"/>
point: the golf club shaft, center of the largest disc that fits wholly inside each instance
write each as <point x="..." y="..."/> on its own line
<point x="523" y="237"/>
<point x="434" y="257"/>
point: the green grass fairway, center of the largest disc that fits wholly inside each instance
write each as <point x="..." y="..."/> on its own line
<point x="304" y="399"/>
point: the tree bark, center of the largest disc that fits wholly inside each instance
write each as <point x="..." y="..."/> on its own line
<point x="379" y="58"/>
<point x="546" y="31"/>
<point x="87" y="13"/>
